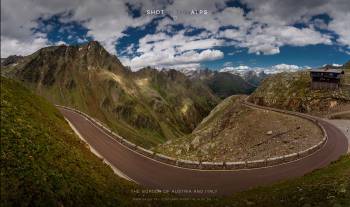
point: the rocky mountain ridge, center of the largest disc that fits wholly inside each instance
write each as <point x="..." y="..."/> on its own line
<point x="147" y="106"/>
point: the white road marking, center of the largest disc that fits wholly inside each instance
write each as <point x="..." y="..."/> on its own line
<point x="116" y="170"/>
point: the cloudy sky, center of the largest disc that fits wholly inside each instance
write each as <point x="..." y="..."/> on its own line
<point x="241" y="34"/>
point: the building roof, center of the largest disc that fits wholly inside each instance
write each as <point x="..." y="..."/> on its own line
<point x="327" y="70"/>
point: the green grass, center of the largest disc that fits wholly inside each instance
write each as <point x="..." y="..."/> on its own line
<point x="43" y="163"/>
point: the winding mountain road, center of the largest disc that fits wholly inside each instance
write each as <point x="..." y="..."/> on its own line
<point x="156" y="175"/>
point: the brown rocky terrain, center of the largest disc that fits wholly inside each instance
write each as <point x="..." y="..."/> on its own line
<point x="235" y="132"/>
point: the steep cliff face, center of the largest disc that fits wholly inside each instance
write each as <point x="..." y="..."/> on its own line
<point x="146" y="107"/>
<point x="292" y="91"/>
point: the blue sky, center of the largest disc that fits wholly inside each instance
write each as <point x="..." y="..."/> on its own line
<point x="226" y="34"/>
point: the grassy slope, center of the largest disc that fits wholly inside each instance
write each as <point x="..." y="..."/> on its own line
<point x="44" y="163"/>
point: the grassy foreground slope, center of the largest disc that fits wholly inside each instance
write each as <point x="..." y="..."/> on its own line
<point x="44" y="163"/>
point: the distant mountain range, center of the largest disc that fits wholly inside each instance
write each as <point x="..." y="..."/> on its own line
<point x="250" y="76"/>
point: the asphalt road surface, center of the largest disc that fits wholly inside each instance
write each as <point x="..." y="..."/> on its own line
<point x="156" y="175"/>
<point x="344" y="126"/>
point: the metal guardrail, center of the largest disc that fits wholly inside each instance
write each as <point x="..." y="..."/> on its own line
<point x="215" y="165"/>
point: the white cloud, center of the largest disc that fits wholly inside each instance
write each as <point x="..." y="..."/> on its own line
<point x="243" y="69"/>
<point x="129" y="50"/>
<point x="288" y="12"/>
<point x="170" y="59"/>
<point x="286" y="67"/>
<point x="208" y="22"/>
<point x="341" y="26"/>
<point x="193" y="56"/>
<point x="267" y="27"/>
<point x="231" y="68"/>
<point x="336" y="65"/>
<point x="298" y="37"/>
<point x="14" y="46"/>
<point x="162" y="50"/>
<point x="105" y="20"/>
<point x="160" y="41"/>
<point x="268" y="39"/>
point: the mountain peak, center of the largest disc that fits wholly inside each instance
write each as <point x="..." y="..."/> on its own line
<point x="63" y="58"/>
<point x="94" y="44"/>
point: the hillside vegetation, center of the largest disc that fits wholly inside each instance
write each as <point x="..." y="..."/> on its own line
<point x="43" y="163"/>
<point x="147" y="107"/>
